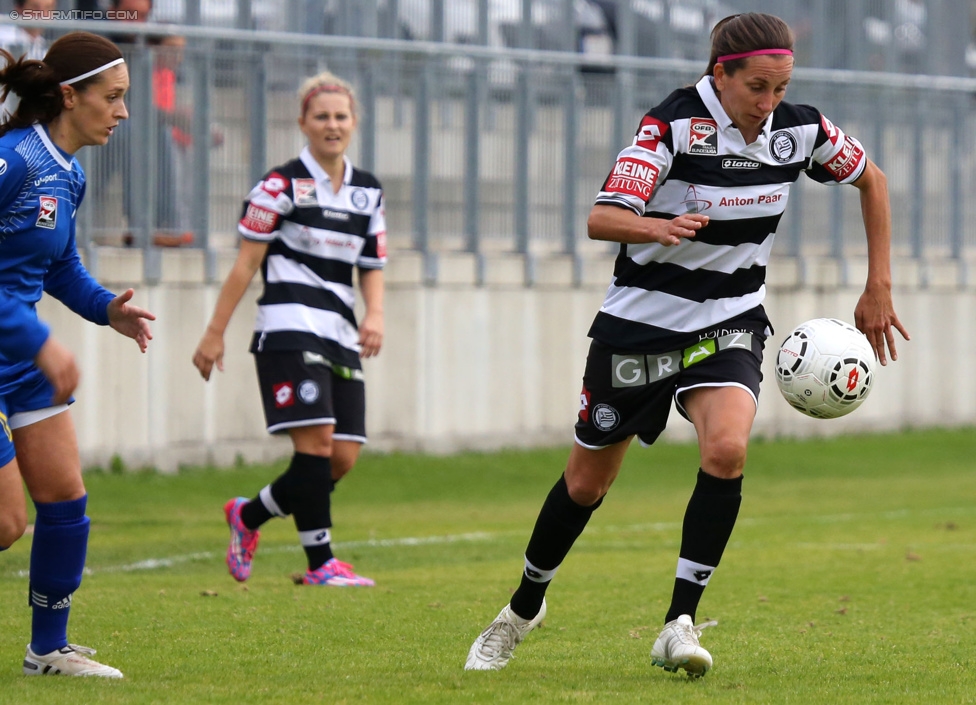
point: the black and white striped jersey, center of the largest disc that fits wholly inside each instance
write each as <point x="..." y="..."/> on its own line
<point x="316" y="237"/>
<point x="688" y="157"/>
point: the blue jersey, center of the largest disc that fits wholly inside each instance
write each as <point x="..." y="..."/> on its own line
<point x="41" y="188"/>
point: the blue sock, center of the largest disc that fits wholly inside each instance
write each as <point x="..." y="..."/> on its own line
<point x="57" y="560"/>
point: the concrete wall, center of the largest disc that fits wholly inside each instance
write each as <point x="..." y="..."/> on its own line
<point x="474" y="358"/>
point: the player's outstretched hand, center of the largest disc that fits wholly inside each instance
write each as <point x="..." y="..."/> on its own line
<point x="131" y="321"/>
<point x="875" y="316"/>
<point x="58" y="365"/>
<point x="209" y="352"/>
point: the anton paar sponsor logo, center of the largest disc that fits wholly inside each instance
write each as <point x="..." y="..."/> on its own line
<point x="693" y="203"/>
<point x="736" y="163"/>
<point x="633" y="177"/>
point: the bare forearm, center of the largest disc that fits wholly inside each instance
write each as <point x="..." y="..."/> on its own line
<point x="371" y="286"/>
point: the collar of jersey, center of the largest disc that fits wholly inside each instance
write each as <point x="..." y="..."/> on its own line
<point x="318" y="173"/>
<point x="62" y="158"/>
<point x="706" y="89"/>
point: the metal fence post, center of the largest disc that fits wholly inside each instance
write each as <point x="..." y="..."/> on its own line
<point x="421" y="156"/>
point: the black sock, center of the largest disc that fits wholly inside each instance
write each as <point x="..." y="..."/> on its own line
<point x="311" y="506"/>
<point x="708" y="523"/>
<point x="560" y="523"/>
<point x="278" y="494"/>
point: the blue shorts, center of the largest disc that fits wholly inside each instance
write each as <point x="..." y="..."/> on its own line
<point x="20" y="392"/>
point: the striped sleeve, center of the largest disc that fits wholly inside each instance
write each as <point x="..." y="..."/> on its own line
<point x="264" y="208"/>
<point x="838" y="158"/>
<point x="639" y="168"/>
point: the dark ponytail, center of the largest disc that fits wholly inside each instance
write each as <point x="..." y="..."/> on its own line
<point x="38" y="83"/>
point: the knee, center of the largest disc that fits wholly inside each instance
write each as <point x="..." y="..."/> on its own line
<point x="724" y="457"/>
<point x="12" y="527"/>
<point x="585" y="491"/>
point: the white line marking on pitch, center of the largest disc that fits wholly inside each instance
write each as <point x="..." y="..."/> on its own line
<point x="157" y="563"/>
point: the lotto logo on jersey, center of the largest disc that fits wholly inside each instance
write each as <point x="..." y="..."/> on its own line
<point x="702" y="136"/>
<point x="284" y="395"/>
<point x="274" y="184"/>
<point x="47" y="215"/>
<point x="584" y="408"/>
<point x="633" y="177"/>
<point x="847" y="161"/>
<point x="649" y="133"/>
<point x="832" y="132"/>
<point x="259" y="220"/>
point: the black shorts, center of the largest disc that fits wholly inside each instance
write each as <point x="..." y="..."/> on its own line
<point x="306" y="389"/>
<point x="626" y="394"/>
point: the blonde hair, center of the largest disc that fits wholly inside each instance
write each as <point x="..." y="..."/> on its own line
<point x="325" y="82"/>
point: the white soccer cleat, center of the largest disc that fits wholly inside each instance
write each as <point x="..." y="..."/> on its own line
<point x="493" y="649"/>
<point x="72" y="660"/>
<point x="677" y="647"/>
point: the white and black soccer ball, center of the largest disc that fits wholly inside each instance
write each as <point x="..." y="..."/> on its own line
<point x="825" y="368"/>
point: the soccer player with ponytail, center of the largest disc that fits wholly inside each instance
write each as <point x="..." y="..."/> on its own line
<point x="72" y="99"/>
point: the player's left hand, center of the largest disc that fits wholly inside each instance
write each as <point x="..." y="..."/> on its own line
<point x="131" y="321"/>
<point x="875" y="316"/>
<point x="371" y="335"/>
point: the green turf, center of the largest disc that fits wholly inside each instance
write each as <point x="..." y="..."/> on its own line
<point x="849" y="579"/>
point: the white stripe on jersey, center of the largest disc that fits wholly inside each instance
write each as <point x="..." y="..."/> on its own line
<point x="296" y="317"/>
<point x="327" y="244"/>
<point x="699" y="255"/>
<point x="722" y="202"/>
<point x="282" y="269"/>
<point x="656" y="308"/>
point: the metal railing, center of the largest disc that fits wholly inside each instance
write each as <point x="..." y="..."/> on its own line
<point x="481" y="148"/>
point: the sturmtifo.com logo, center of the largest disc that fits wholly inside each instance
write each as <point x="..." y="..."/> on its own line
<point x="56" y="15"/>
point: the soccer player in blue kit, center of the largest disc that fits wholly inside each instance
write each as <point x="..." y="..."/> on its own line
<point x="71" y="99"/>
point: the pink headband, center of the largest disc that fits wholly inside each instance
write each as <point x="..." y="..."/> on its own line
<point x="328" y="88"/>
<point x="746" y="54"/>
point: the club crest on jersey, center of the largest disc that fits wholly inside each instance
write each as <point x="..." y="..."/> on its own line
<point x="3" y="167"/>
<point x="304" y="190"/>
<point x="702" y="136"/>
<point x="47" y="215"/>
<point x="359" y="199"/>
<point x="782" y="146"/>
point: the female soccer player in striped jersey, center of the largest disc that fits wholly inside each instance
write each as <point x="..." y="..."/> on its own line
<point x="694" y="203"/>
<point x="71" y="99"/>
<point x="308" y="225"/>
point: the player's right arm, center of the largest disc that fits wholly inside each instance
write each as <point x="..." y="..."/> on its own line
<point x="264" y="209"/>
<point x="618" y="215"/>
<point x="210" y="351"/>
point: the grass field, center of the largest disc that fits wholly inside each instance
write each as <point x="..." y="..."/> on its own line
<point x="851" y="578"/>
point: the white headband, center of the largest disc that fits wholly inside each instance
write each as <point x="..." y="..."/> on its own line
<point x="83" y="76"/>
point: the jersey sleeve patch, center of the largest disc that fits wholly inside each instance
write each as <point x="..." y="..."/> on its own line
<point x="258" y="220"/>
<point x="650" y="133"/>
<point x="847" y="161"/>
<point x="632" y="177"/>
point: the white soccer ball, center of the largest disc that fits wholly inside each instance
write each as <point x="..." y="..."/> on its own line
<point x="825" y="368"/>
